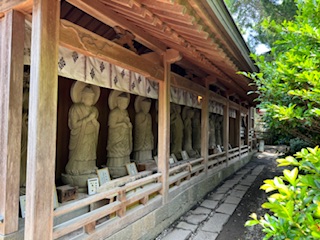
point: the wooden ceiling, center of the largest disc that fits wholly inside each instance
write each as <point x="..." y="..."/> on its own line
<point x="212" y="48"/>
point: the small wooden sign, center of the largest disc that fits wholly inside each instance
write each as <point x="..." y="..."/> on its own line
<point x="156" y="159"/>
<point x="174" y="157"/>
<point x="103" y="175"/>
<point x="184" y="155"/>
<point x="93" y="184"/>
<point x="22" y="201"/>
<point x="132" y="168"/>
<point x="219" y="148"/>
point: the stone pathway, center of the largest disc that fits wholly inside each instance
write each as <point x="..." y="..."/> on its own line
<point x="207" y="220"/>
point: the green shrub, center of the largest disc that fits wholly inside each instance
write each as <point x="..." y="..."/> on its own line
<point x="294" y="205"/>
<point x="296" y="144"/>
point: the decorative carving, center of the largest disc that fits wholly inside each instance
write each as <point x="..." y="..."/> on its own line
<point x="125" y="38"/>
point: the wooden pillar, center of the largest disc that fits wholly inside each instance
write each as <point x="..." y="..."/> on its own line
<point x="11" y="77"/>
<point x="164" y="121"/>
<point x="205" y="126"/>
<point x="226" y="129"/>
<point x="42" y="120"/>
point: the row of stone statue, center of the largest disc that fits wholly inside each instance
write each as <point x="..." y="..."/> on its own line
<point x="84" y="127"/>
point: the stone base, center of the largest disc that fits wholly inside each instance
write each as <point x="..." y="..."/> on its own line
<point x="78" y="180"/>
<point x="116" y="172"/>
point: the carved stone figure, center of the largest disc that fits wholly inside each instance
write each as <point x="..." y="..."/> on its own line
<point x="84" y="131"/>
<point x="143" y="136"/>
<point x="212" y="135"/>
<point x="24" y="132"/>
<point x="176" y="127"/>
<point x="196" y="131"/>
<point x="219" y="124"/>
<point x="187" y="115"/>
<point x="119" y="145"/>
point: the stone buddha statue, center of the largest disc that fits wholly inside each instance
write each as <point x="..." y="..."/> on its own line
<point x="212" y="130"/>
<point x="196" y="131"/>
<point x="84" y="131"/>
<point x="24" y="132"/>
<point x="119" y="143"/>
<point x="187" y="116"/>
<point x="143" y="136"/>
<point x="176" y="130"/>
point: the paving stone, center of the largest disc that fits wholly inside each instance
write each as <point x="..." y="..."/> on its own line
<point x="257" y="170"/>
<point x="222" y="190"/>
<point x="215" y="223"/>
<point x="250" y="178"/>
<point x="226" y="208"/>
<point x="229" y="184"/>
<point x="246" y="182"/>
<point x="233" y="200"/>
<point x="216" y="196"/>
<point x="202" y="235"/>
<point x="237" y="193"/>
<point x="196" y="219"/>
<point x="209" y="204"/>
<point x="200" y="210"/>
<point x="187" y="226"/>
<point x="241" y="187"/>
<point x="178" y="234"/>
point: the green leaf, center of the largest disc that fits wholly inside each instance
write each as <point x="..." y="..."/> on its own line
<point x="291" y="176"/>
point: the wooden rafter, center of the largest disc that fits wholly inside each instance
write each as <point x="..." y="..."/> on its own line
<point x="101" y="12"/>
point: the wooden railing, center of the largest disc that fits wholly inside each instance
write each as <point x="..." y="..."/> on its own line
<point x="184" y="170"/>
<point x="120" y="198"/>
<point x="115" y="198"/>
<point x="217" y="159"/>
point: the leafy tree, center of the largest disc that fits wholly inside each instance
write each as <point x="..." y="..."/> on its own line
<point x="289" y="82"/>
<point x="249" y="14"/>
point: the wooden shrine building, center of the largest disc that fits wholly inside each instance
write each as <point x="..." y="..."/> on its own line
<point x="173" y="52"/>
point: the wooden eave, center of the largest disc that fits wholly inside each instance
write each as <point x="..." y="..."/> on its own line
<point x="203" y="32"/>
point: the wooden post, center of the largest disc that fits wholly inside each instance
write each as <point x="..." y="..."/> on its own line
<point x="164" y="122"/>
<point x="226" y="130"/>
<point x="42" y="120"/>
<point x="11" y="77"/>
<point x="205" y="126"/>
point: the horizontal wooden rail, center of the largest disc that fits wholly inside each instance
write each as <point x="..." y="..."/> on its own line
<point x="126" y="195"/>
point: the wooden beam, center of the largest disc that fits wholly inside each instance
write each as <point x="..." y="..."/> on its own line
<point x="164" y="129"/>
<point x="81" y="40"/>
<point x="101" y="12"/>
<point x="22" y="5"/>
<point x="42" y="120"/>
<point x="11" y="77"/>
<point x="183" y="83"/>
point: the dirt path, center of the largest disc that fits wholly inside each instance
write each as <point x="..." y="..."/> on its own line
<point x="252" y="200"/>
